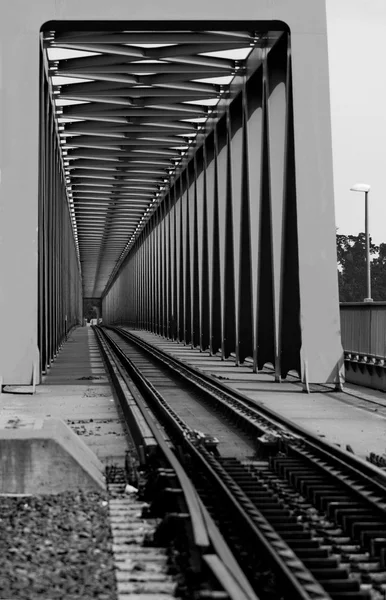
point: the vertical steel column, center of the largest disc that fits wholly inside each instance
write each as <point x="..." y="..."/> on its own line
<point x="138" y="285"/>
<point x="162" y="270"/>
<point x="159" y="281"/>
<point x="265" y="307"/>
<point x="154" y="276"/>
<point x="57" y="200"/>
<point x="175" y="271"/>
<point x="139" y="281"/>
<point x="205" y="298"/>
<point x="166" y="273"/>
<point x="58" y="273"/>
<point x="50" y="233"/>
<point x="275" y="81"/>
<point x="148" y="277"/>
<point x="188" y="296"/>
<point x="181" y="327"/>
<point x="216" y="317"/>
<point x="143" y="281"/>
<point x="229" y="318"/>
<point x="41" y="217"/>
<point x="59" y="260"/>
<point x="134" y="274"/>
<point x="290" y="334"/>
<point x="245" y="307"/>
<point x="170" y="267"/>
<point x="196" y="322"/>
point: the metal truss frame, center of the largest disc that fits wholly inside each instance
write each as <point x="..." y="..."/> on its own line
<point x="59" y="277"/>
<point x="216" y="266"/>
<point x="132" y="123"/>
<point x="283" y="122"/>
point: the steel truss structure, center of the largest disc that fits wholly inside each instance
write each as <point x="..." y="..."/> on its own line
<point x="59" y="276"/>
<point x="138" y="109"/>
<point x="217" y="264"/>
<point x="185" y="175"/>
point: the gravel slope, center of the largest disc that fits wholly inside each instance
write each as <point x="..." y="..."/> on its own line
<point x="56" y="547"/>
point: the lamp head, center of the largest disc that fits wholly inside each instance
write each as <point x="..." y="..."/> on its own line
<point x="360" y="187"/>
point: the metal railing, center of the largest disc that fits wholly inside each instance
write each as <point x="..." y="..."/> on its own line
<point x="363" y="328"/>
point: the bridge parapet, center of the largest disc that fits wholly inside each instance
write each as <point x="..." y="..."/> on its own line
<point x="363" y="329"/>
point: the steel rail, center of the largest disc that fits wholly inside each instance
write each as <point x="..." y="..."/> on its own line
<point x="302" y="458"/>
<point x="206" y="535"/>
<point x="364" y="479"/>
<point x="298" y="578"/>
<point x="359" y="467"/>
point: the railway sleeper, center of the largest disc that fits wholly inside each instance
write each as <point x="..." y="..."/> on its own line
<point x="377" y="544"/>
<point x="329" y="574"/>
<point x="361" y="595"/>
<point x="336" y="508"/>
<point x="341" y="585"/>
<point x="306" y="547"/>
<point x="321" y="488"/>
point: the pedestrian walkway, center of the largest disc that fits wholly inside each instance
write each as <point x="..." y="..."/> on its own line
<point x="77" y="390"/>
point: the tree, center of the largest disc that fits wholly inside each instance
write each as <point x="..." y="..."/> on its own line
<point x="378" y="274"/>
<point x="351" y="253"/>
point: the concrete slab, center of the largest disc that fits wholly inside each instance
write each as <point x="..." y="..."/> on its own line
<point x="44" y="456"/>
<point x="77" y="390"/>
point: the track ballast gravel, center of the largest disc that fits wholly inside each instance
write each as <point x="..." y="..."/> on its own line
<point x="56" y="546"/>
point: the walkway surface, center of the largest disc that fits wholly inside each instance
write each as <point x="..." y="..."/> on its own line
<point x="357" y="417"/>
<point x="77" y="390"/>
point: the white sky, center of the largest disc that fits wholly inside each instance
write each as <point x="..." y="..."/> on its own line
<point x="357" y="57"/>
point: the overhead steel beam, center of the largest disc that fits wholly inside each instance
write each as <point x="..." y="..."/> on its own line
<point x="103" y="129"/>
<point x="113" y="155"/>
<point x="192" y="50"/>
<point x="134" y="53"/>
<point x="105" y="173"/>
<point x="169" y="95"/>
<point x="146" y="37"/>
<point x="146" y="69"/>
<point x="146" y="139"/>
<point x="91" y="110"/>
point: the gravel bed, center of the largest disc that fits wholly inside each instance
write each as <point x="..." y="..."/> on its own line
<point x="57" y="546"/>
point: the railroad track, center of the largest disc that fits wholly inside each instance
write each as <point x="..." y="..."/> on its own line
<point x="304" y="519"/>
<point x="209" y="568"/>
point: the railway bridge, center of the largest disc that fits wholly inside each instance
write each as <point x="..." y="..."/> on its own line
<point x="166" y="171"/>
<point x="176" y="165"/>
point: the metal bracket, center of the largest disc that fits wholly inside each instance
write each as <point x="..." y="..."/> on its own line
<point x="35" y="376"/>
<point x="339" y="380"/>
<point x="306" y="384"/>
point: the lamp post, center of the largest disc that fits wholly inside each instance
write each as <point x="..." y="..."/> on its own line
<point x="364" y="187"/>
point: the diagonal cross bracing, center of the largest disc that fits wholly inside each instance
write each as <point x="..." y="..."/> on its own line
<point x="129" y="107"/>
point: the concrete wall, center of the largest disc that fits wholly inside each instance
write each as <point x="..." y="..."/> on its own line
<point x="20" y="22"/>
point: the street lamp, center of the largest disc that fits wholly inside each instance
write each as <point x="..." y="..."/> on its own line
<point x="364" y="187"/>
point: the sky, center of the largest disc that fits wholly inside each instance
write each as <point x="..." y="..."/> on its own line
<point x="357" y="56"/>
